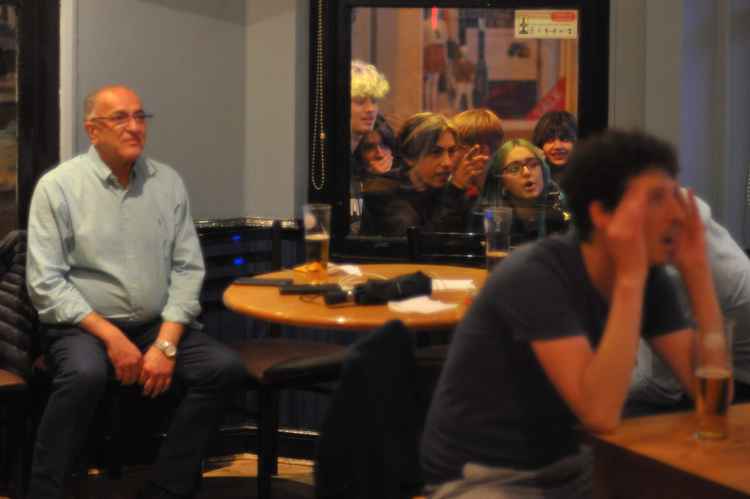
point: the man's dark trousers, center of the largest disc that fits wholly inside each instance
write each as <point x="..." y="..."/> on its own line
<point x="206" y="371"/>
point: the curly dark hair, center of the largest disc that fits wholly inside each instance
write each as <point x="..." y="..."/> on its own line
<point x="601" y="166"/>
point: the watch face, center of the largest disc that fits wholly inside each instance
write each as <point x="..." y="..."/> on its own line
<point x="170" y="350"/>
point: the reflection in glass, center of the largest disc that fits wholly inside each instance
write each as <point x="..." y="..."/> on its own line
<point x="8" y="117"/>
<point x="516" y="64"/>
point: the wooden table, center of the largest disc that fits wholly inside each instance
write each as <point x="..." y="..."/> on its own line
<point x="264" y="302"/>
<point x="659" y="457"/>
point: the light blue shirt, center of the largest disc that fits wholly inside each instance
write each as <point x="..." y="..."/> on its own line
<point x="131" y="255"/>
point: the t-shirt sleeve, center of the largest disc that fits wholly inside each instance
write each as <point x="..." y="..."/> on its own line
<point x="535" y="298"/>
<point x="662" y="311"/>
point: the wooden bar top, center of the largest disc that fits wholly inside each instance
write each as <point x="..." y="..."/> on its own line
<point x="719" y="466"/>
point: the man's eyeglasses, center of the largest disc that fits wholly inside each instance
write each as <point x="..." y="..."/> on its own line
<point x="120" y="120"/>
<point x="516" y="167"/>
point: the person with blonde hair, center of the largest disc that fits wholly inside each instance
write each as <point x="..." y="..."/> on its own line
<point x="368" y="86"/>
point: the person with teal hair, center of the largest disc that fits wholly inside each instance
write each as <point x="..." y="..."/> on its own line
<point x="519" y="177"/>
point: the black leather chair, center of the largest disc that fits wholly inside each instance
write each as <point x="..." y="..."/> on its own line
<point x="17" y="322"/>
<point x="454" y="248"/>
<point x="369" y="440"/>
<point x="275" y="364"/>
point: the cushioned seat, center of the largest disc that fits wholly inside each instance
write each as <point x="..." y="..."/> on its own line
<point x="274" y="364"/>
<point x="282" y="361"/>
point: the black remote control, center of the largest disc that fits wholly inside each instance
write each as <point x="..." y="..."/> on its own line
<point x="308" y="289"/>
<point x="259" y="281"/>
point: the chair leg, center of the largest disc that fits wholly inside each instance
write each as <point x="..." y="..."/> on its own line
<point x="268" y="401"/>
<point x="17" y="450"/>
<point x="115" y="445"/>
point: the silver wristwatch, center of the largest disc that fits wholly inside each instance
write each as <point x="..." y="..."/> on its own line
<point x="167" y="348"/>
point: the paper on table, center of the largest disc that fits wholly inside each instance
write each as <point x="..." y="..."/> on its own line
<point x="421" y="305"/>
<point x="452" y="284"/>
<point x="347" y="269"/>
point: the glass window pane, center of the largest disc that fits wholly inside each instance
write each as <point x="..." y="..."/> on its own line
<point x="518" y="64"/>
<point x="8" y="118"/>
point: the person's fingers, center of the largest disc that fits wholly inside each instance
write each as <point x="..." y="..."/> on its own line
<point x="166" y="382"/>
<point x="131" y="375"/>
<point x="148" y="387"/>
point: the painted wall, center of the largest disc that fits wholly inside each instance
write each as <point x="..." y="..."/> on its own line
<point x="222" y="79"/>
<point x="679" y="69"/>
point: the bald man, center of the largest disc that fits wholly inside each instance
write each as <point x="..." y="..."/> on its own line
<point x="114" y="269"/>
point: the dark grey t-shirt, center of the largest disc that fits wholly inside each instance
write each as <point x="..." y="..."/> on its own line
<point x="494" y="404"/>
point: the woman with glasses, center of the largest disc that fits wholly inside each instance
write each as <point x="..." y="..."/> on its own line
<point x="519" y="177"/>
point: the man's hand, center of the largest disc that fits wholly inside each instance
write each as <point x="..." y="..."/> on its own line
<point x="691" y="241"/>
<point x="470" y="167"/>
<point x="156" y="374"/>
<point x="125" y="357"/>
<point x="624" y="235"/>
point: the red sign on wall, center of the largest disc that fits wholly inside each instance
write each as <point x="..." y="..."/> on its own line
<point x="554" y="100"/>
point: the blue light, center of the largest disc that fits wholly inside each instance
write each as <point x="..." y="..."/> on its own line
<point x="239" y="261"/>
<point x="236" y="237"/>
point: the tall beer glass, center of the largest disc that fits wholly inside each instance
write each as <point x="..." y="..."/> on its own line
<point x="497" y="222"/>
<point x="713" y="378"/>
<point x="317" y="221"/>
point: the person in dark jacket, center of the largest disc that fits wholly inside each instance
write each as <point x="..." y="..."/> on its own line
<point x="430" y="192"/>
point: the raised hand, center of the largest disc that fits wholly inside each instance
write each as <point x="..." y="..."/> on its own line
<point x="382" y="164"/>
<point x="691" y="240"/>
<point x="470" y="166"/>
<point x="624" y="235"/>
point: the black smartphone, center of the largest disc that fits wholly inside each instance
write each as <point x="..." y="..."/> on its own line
<point x="261" y="281"/>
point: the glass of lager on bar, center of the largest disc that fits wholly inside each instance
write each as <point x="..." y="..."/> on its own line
<point x="713" y="378"/>
<point x="497" y="222"/>
<point x="317" y="222"/>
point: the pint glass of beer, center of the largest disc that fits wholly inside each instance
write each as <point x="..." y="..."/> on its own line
<point x="317" y="221"/>
<point x="713" y="378"/>
<point x="497" y="222"/>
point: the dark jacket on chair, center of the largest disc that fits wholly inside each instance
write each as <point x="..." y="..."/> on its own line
<point x="17" y="316"/>
<point x="368" y="445"/>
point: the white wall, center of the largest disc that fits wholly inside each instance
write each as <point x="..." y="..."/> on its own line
<point x="226" y="79"/>
<point x="276" y="109"/>
<point x="679" y="69"/>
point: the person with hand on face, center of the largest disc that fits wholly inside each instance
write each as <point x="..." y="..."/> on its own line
<point x="482" y="129"/>
<point x="114" y="269"/>
<point x="374" y="156"/>
<point x="557" y="325"/>
<point x="518" y="177"/>
<point x="654" y="388"/>
<point x="428" y="195"/>
<point x="555" y="133"/>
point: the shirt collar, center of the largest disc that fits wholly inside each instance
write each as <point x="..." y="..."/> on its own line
<point x="104" y="173"/>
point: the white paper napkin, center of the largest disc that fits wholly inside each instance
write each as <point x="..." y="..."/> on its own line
<point x="421" y="305"/>
<point x="348" y="269"/>
<point x="452" y="285"/>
